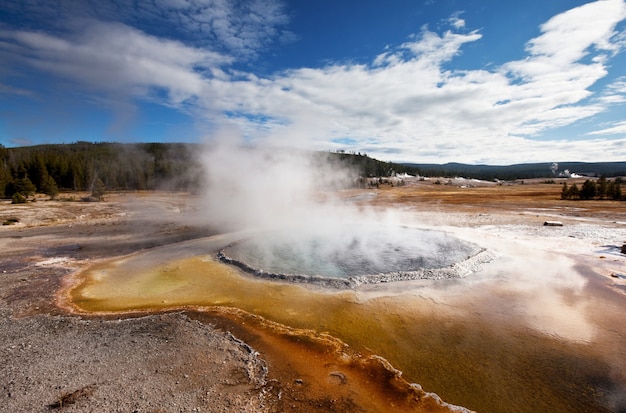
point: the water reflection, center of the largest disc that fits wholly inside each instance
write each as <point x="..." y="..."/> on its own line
<point x="523" y="335"/>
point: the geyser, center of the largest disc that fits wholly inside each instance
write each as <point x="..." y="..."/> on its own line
<point x="350" y="255"/>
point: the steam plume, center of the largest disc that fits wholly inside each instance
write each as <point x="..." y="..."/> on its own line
<point x="269" y="187"/>
<point x="554" y="168"/>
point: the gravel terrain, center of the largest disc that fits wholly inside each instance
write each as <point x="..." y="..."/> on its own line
<point x="157" y="363"/>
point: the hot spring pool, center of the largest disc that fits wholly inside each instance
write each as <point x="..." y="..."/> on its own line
<point x="352" y="254"/>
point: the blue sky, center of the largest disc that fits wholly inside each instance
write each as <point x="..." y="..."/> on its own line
<point x="475" y="81"/>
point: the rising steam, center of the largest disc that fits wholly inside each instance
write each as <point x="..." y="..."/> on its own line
<point x="297" y="224"/>
<point x="269" y="187"/>
<point x="554" y="167"/>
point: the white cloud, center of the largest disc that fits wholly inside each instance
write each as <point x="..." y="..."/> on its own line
<point x="118" y="59"/>
<point x="567" y="37"/>
<point x="407" y="105"/>
<point x="456" y="21"/>
<point x="237" y="27"/>
<point x="615" y="92"/>
<point x="617" y="128"/>
<point x="428" y="47"/>
<point x="240" y="27"/>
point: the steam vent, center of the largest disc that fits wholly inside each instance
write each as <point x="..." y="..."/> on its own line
<point x="351" y="255"/>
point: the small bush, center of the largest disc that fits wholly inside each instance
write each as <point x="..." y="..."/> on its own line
<point x="18" y="198"/>
<point x="98" y="191"/>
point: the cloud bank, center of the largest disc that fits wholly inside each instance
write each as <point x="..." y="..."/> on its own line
<point x="409" y="103"/>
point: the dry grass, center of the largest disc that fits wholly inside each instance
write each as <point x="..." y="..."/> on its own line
<point x="532" y="194"/>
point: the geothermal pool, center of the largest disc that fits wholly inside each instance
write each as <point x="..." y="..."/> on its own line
<point x="529" y="331"/>
<point x="349" y="255"/>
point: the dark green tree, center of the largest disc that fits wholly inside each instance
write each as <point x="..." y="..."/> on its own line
<point x="5" y="173"/>
<point x="564" y="191"/>
<point x="574" y="192"/>
<point x="49" y="187"/>
<point x="37" y="172"/>
<point x="601" y="187"/>
<point x="588" y="190"/>
<point x="25" y="186"/>
<point x="22" y="186"/>
<point x="614" y="190"/>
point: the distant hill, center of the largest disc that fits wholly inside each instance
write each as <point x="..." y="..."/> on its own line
<point x="132" y="166"/>
<point x="81" y="166"/>
<point x="139" y="166"/>
<point x="520" y="171"/>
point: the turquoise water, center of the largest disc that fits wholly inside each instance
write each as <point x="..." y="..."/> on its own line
<point x="347" y="251"/>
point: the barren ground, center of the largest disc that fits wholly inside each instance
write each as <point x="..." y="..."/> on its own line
<point x="185" y="361"/>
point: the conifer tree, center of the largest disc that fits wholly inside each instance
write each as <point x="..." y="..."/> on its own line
<point x="614" y="190"/>
<point x="601" y="187"/>
<point x="588" y="190"/>
<point x="49" y="187"/>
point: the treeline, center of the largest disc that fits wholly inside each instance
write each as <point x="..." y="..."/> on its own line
<point x="369" y="167"/>
<point x="602" y="189"/>
<point x="106" y="166"/>
<point x="521" y="171"/>
<point x="80" y="166"/>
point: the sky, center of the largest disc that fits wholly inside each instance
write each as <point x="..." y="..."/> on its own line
<point x="427" y="81"/>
